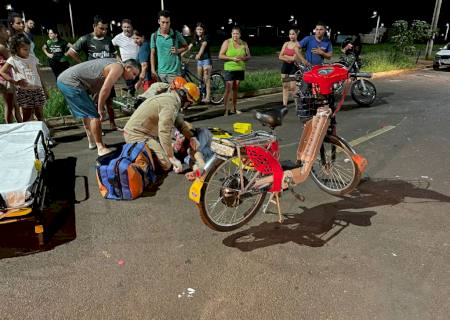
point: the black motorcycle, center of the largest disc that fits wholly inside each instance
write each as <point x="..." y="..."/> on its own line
<point x="363" y="91"/>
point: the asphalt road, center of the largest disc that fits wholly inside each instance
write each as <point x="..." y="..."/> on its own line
<point x="382" y="254"/>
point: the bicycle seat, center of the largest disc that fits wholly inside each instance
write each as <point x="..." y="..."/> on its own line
<point x="272" y="117"/>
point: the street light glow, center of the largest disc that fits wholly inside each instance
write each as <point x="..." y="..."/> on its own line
<point x="375" y="15"/>
<point x="446" y="31"/>
<point x="9" y="7"/>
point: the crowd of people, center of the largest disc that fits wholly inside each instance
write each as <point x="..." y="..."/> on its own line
<point x="150" y="64"/>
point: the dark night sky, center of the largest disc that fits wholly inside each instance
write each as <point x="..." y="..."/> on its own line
<point x="344" y="15"/>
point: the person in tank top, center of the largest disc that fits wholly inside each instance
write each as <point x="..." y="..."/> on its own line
<point x="235" y="53"/>
<point x="290" y="54"/>
<point x="94" y="77"/>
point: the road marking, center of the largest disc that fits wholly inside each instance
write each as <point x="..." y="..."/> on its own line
<point x="371" y="135"/>
<point x="357" y="141"/>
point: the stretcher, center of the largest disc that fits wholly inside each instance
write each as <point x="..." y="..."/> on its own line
<point x="24" y="156"/>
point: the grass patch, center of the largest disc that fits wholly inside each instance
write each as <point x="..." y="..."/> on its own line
<point x="384" y="61"/>
<point x="260" y="80"/>
<point x="56" y="106"/>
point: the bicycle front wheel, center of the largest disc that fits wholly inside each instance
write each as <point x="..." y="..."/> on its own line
<point x="334" y="170"/>
<point x="223" y="205"/>
<point x="217" y="88"/>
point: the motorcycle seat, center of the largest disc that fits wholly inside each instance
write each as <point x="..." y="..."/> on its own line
<point x="272" y="117"/>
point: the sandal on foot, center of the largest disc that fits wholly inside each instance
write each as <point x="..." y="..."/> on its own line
<point x="104" y="151"/>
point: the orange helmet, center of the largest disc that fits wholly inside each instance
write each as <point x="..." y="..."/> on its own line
<point x="178" y="83"/>
<point x="192" y="92"/>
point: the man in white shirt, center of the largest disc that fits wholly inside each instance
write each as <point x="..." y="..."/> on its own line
<point x="127" y="47"/>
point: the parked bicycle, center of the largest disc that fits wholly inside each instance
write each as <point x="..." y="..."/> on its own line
<point x="216" y="78"/>
<point x="234" y="183"/>
<point x="126" y="102"/>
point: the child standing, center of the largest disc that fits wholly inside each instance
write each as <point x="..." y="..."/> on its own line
<point x="29" y="90"/>
<point x="6" y="88"/>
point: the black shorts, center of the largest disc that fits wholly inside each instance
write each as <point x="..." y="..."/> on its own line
<point x="234" y="75"/>
<point x="288" y="68"/>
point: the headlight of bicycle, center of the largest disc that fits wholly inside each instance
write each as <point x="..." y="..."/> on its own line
<point x="221" y="149"/>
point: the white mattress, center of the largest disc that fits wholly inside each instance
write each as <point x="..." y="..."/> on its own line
<point x="17" y="169"/>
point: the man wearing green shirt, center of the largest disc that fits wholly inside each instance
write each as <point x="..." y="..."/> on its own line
<point x="166" y="45"/>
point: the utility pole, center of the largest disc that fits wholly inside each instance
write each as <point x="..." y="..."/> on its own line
<point x="437" y="10"/>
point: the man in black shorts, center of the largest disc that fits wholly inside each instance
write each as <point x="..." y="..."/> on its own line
<point x="97" y="45"/>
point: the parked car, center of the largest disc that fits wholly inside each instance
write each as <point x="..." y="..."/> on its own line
<point x="442" y="57"/>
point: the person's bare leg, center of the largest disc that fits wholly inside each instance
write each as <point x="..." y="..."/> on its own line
<point x="226" y="96"/>
<point x="235" y="93"/>
<point x="293" y="89"/>
<point x="17" y="109"/>
<point x="96" y="129"/>
<point x="206" y="78"/>
<point x="9" y="106"/>
<point x="89" y="135"/>
<point x="38" y="112"/>
<point x="26" y="113"/>
<point x="285" y="92"/>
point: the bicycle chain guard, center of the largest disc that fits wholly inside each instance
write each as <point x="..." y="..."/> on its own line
<point x="310" y="142"/>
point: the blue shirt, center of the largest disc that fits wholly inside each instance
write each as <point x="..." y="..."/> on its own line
<point x="310" y="42"/>
<point x="144" y="56"/>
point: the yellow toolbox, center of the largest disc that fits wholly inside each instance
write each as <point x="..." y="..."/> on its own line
<point x="242" y="127"/>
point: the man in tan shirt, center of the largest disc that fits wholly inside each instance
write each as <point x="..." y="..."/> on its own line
<point x="154" y="120"/>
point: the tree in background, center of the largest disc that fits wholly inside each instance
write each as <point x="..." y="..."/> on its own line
<point x="404" y="36"/>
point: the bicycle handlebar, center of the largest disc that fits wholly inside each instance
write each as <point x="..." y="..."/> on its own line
<point x="361" y="74"/>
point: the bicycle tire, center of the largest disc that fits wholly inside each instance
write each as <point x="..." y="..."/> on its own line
<point x="361" y="96"/>
<point x="217" y="88"/>
<point x="206" y="210"/>
<point x="329" y="174"/>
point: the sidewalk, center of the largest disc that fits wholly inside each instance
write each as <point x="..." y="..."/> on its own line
<point x="68" y="122"/>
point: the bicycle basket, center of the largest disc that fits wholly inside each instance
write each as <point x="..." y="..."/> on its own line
<point x="306" y="107"/>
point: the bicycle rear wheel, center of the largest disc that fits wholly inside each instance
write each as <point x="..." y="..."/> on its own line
<point x="334" y="170"/>
<point x="222" y="207"/>
<point x="217" y="88"/>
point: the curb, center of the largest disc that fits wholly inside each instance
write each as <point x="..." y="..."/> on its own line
<point x="383" y="74"/>
<point x="68" y="122"/>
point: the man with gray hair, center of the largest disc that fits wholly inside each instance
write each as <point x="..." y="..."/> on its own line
<point x="127" y="47"/>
